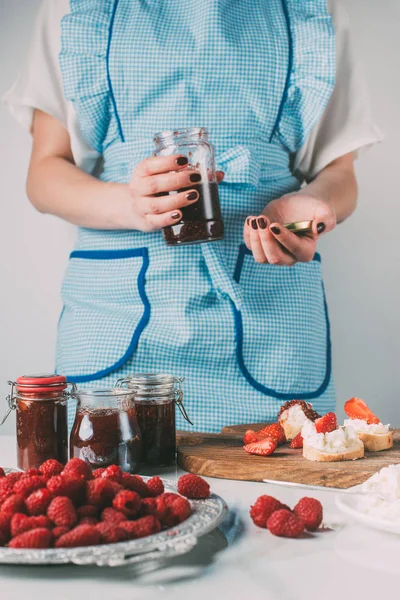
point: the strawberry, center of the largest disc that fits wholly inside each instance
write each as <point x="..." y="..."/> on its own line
<point x="110" y="515"/>
<point x="326" y="423"/>
<point x="275" y="430"/>
<point x="37" y="502"/>
<point x="113" y="473"/>
<point x="284" y="523"/>
<point x="59" y="531"/>
<point x="136" y="484"/>
<point x="310" y="512"/>
<point x="296" y="442"/>
<point x="252" y="436"/>
<point x="141" y="528"/>
<point x="193" y="486"/>
<point x="263" y="509"/>
<point x="263" y="448"/>
<point x="62" y="512"/>
<point x="13" y="504"/>
<point x="100" y="492"/>
<point x="357" y="409"/>
<point x="127" y="502"/>
<point x="35" y="538"/>
<point x="77" y="468"/>
<point x="28" y="484"/>
<point x="2" y="472"/>
<point x="155" y="486"/>
<point x="110" y="533"/>
<point x="21" y="523"/>
<point x="51" y="467"/>
<point x="82" y="535"/>
<point x="87" y="510"/>
<point x="88" y="521"/>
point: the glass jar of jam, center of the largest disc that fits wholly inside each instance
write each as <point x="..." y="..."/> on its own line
<point x="40" y="402"/>
<point x="106" y="431"/>
<point x="201" y="221"/>
<point x="155" y="398"/>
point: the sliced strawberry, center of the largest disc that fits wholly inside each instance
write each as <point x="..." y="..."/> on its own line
<point x="297" y="442"/>
<point x="326" y="423"/>
<point x="275" y="430"/>
<point x="263" y="448"/>
<point x="357" y="409"/>
<point x="252" y="436"/>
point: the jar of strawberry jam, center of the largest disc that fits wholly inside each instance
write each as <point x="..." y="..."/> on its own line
<point x="40" y="402"/>
<point x="155" y="397"/>
<point x="106" y="431"/>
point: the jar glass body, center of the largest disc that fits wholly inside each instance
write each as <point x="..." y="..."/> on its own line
<point x="42" y="430"/>
<point x="155" y="398"/>
<point x="202" y="220"/>
<point x="106" y="431"/>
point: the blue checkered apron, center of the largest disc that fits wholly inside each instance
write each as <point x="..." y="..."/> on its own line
<point x="258" y="74"/>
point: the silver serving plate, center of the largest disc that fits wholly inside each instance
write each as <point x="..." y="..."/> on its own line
<point x="206" y="516"/>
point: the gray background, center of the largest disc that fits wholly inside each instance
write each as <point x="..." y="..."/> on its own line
<point x="360" y="259"/>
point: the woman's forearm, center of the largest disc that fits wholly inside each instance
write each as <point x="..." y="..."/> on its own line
<point x="337" y="185"/>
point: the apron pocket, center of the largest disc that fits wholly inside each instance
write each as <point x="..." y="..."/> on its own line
<point x="105" y="311"/>
<point x="283" y="341"/>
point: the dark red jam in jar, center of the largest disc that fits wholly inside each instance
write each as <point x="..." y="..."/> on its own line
<point x="155" y="398"/>
<point x="106" y="431"/>
<point x="40" y="402"/>
<point x="202" y="220"/>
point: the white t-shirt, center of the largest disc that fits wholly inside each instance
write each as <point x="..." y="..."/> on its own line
<point x="346" y="126"/>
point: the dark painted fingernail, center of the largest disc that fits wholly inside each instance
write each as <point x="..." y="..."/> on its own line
<point x="181" y="161"/>
<point x="175" y="216"/>
<point x="248" y="221"/>
<point x="192" y="196"/>
<point x="321" y="227"/>
<point x="275" y="230"/>
<point x="254" y="224"/>
<point x="195" y="178"/>
<point x="262" y="223"/>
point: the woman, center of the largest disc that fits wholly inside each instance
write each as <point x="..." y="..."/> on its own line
<point x="246" y="331"/>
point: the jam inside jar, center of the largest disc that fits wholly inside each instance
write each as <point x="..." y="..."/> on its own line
<point x="106" y="431"/>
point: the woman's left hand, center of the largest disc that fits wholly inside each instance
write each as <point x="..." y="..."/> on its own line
<point x="271" y="242"/>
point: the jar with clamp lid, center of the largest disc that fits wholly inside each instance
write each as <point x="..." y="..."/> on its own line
<point x="155" y="397"/>
<point x="40" y="402"/>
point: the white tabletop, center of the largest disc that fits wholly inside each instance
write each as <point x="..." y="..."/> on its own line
<point x="350" y="562"/>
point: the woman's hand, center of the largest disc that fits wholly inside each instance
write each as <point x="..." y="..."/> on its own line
<point x="273" y="243"/>
<point x="152" y="180"/>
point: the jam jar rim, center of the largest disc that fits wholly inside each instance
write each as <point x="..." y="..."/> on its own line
<point x="101" y="393"/>
<point x="150" y="379"/>
<point x="171" y="135"/>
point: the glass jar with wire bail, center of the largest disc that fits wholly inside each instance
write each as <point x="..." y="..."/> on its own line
<point x="106" y="431"/>
<point x="202" y="220"/>
<point x="156" y="396"/>
<point x="40" y="403"/>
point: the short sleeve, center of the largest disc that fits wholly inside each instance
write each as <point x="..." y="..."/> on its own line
<point x="347" y="124"/>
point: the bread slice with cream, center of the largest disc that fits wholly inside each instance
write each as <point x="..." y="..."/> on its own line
<point x="375" y="436"/>
<point x="294" y="415"/>
<point x="338" y="445"/>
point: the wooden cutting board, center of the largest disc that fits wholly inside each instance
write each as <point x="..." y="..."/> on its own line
<point x="222" y="456"/>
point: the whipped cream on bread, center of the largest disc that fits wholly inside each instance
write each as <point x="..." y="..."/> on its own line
<point x="387" y="483"/>
<point x="295" y="417"/>
<point x="343" y="439"/>
<point x="363" y="427"/>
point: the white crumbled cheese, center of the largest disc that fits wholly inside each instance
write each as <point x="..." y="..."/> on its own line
<point x="340" y="440"/>
<point x="362" y="426"/>
<point x="387" y="483"/>
<point x="295" y="417"/>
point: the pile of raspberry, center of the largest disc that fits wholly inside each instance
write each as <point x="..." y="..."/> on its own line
<point x="269" y="513"/>
<point x="59" y="506"/>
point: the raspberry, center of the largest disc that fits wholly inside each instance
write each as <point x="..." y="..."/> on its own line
<point x="3" y="539"/>
<point x="148" y="507"/>
<point x="284" y="523"/>
<point x="98" y="473"/>
<point x="117" y="487"/>
<point x="21" y="523"/>
<point x="5" y="519"/>
<point x="32" y="473"/>
<point x="59" y="531"/>
<point x="88" y="521"/>
<point x="6" y="489"/>
<point x="193" y="486"/>
<point x="310" y="512"/>
<point x="76" y="468"/>
<point x="51" y="467"/>
<point x="262" y="509"/>
<point x="82" y="535"/>
<point x="275" y="430"/>
<point x="28" y="484"/>
<point x="111" y="533"/>
<point x="296" y="442"/>
<point x="2" y="472"/>
<point x="155" y="486"/>
<point x="127" y="502"/>
<point x="113" y="472"/>
<point x="35" y="538"/>
<point x="58" y="485"/>
<point x="110" y="515"/>
<point x="13" y="504"/>
<point x="38" y="502"/>
<point x="87" y="510"/>
<point x="136" y="484"/>
<point x="100" y="492"/>
<point x="177" y="509"/>
<point x="141" y="528"/>
<point x="62" y="512"/>
<point x="14" y="477"/>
